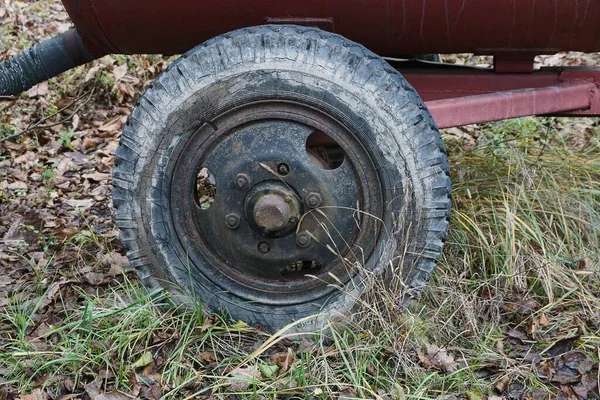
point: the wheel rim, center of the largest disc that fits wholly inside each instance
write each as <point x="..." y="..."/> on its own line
<point x="283" y="229"/>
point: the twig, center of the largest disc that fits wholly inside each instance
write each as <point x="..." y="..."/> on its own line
<point x="38" y="124"/>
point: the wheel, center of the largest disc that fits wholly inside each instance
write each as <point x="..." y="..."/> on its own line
<point x="268" y="170"/>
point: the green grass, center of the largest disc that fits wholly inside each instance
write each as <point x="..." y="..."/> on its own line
<point x="524" y="233"/>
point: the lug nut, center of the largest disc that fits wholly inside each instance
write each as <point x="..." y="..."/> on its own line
<point x="232" y="221"/>
<point x="303" y="239"/>
<point x="313" y="200"/>
<point x="263" y="247"/>
<point x="293" y="220"/>
<point x="283" y="169"/>
<point x="242" y="180"/>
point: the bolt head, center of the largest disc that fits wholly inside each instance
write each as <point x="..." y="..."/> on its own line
<point x="303" y="239"/>
<point x="232" y="221"/>
<point x="313" y="200"/>
<point x="264" y="247"/>
<point x="283" y="169"/>
<point x="242" y="180"/>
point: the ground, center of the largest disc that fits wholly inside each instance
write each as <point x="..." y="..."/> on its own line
<point x="513" y="311"/>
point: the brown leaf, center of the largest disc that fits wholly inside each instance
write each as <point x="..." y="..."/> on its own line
<point x="40" y="89"/>
<point x="95" y="278"/>
<point x="570" y="366"/>
<point x="502" y="384"/>
<point x="283" y="360"/>
<point x="518" y="334"/>
<point x="83" y="204"/>
<point x="91" y="73"/>
<point x="97" y="176"/>
<point x="114" y="124"/>
<point x="89" y="143"/>
<point x="207" y="324"/>
<point x="119" y="72"/>
<point x="562" y="346"/>
<point x="208" y="357"/>
<point x="153" y="392"/>
<point x="36" y="394"/>
<point x="118" y="264"/>
<point x="114" y="395"/>
<point x="54" y="289"/>
<point x="441" y="358"/>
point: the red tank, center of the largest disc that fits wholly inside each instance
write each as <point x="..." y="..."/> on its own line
<point x="388" y="27"/>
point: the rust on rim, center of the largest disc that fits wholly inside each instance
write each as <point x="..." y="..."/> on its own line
<point x="272" y="212"/>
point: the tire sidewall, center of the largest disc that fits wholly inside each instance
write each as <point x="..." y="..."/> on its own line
<point x="188" y="95"/>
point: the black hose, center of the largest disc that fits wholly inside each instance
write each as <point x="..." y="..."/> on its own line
<point x="42" y="62"/>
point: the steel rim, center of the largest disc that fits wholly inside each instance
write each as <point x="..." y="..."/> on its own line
<point x="282" y="229"/>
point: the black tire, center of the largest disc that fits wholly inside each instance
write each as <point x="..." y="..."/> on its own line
<point x="326" y="71"/>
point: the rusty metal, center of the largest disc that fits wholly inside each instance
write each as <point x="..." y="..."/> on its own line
<point x="313" y="200"/>
<point x="283" y="169"/>
<point x="242" y="180"/>
<point x="232" y="220"/>
<point x="236" y="259"/>
<point x="303" y="239"/>
<point x="511" y="104"/>
<point x="272" y="208"/>
<point x="272" y="213"/>
<point x="264" y="247"/>
<point x="388" y="27"/>
<point x="464" y="95"/>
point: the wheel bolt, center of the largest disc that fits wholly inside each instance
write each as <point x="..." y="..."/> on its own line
<point x="232" y="221"/>
<point x="242" y="180"/>
<point x="313" y="200"/>
<point x="303" y="239"/>
<point x="263" y="247"/>
<point x="283" y="169"/>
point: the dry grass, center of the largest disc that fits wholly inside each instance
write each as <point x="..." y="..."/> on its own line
<point x="516" y="292"/>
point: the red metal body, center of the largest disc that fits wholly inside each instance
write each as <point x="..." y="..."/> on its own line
<point x="513" y="31"/>
<point x="388" y="27"/>
<point x="464" y="95"/>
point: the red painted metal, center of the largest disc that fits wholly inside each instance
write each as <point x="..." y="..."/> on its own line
<point x="436" y="82"/>
<point x="515" y="29"/>
<point x="511" y="104"/>
<point x="464" y="95"/>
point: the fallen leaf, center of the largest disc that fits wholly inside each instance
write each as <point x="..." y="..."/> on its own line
<point x="569" y="367"/>
<point x="40" y="89"/>
<point x="208" y="357"/>
<point x="95" y="278"/>
<point x="502" y="384"/>
<point x="36" y="394"/>
<point x="83" y="204"/>
<point x="441" y="358"/>
<point x="144" y="360"/>
<point x="91" y="73"/>
<point x="97" y="176"/>
<point x="241" y="378"/>
<point x="114" y="395"/>
<point x="114" y="124"/>
<point x="269" y="371"/>
<point x="119" y="72"/>
<point x="283" y="359"/>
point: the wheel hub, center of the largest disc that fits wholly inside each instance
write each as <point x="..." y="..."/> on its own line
<point x="273" y="209"/>
<point x="278" y="219"/>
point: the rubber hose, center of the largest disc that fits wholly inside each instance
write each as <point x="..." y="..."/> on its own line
<point x="43" y="61"/>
